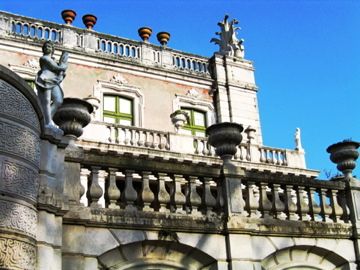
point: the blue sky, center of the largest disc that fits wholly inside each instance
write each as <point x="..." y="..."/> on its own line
<point x="306" y="54"/>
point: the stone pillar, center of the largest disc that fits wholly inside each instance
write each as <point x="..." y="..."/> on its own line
<point x="5" y="26"/>
<point x="20" y="130"/>
<point x="236" y="92"/>
<point x="89" y="42"/>
<point x="147" y="54"/>
<point x="166" y="58"/>
<point x="70" y="38"/>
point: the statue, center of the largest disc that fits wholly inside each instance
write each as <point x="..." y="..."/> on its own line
<point x="48" y="81"/>
<point x="298" y="140"/>
<point x="229" y="44"/>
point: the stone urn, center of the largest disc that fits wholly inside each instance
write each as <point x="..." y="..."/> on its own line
<point x="72" y="116"/>
<point x="344" y="154"/>
<point x="163" y="37"/>
<point x="68" y="16"/>
<point x="179" y="118"/>
<point x="89" y="20"/>
<point x="145" y="33"/>
<point x="225" y="137"/>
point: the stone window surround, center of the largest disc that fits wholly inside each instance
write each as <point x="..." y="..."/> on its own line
<point x="127" y="91"/>
<point x="194" y="103"/>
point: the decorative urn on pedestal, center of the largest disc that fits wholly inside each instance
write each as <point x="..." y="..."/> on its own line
<point x="68" y="16"/>
<point x="225" y="137"/>
<point x="344" y="154"/>
<point x="163" y="37"/>
<point x="72" y="116"/>
<point x="179" y="118"/>
<point x="89" y="20"/>
<point x="145" y="33"/>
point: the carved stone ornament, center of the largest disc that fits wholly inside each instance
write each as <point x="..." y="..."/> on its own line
<point x="18" y="217"/>
<point x="193" y="93"/>
<point x="228" y="43"/>
<point x="16" y="254"/>
<point x="119" y="79"/>
<point x="13" y="103"/>
<point x="32" y="63"/>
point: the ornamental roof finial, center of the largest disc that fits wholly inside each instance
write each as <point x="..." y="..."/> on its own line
<point x="229" y="43"/>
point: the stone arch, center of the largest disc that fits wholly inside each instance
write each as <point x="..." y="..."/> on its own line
<point x="304" y="258"/>
<point x="156" y="254"/>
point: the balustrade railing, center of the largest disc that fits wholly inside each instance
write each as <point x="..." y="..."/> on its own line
<point x="283" y="198"/>
<point x="273" y="156"/>
<point x="190" y="63"/>
<point x="72" y="37"/>
<point x="29" y="28"/>
<point x="148" y="191"/>
<point x="133" y="136"/>
<point x="312" y="200"/>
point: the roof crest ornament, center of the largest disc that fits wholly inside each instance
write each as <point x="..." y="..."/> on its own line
<point x="229" y="44"/>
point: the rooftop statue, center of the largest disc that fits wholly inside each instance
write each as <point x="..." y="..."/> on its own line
<point x="229" y="43"/>
<point x="48" y="80"/>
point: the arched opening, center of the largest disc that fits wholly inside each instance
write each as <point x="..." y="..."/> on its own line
<point x="156" y="254"/>
<point x="304" y="258"/>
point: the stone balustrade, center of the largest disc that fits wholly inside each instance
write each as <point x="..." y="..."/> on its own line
<point x="148" y="191"/>
<point x="297" y="200"/>
<point x="15" y="26"/>
<point x="173" y="142"/>
<point x="193" y="191"/>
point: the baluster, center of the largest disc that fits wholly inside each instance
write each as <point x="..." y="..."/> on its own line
<point x="129" y="194"/>
<point x="342" y="202"/>
<point x="262" y="155"/>
<point x="280" y="160"/>
<point x="303" y="203"/>
<point x="146" y="193"/>
<point x="278" y="205"/>
<point x="325" y="208"/>
<point x="141" y="140"/>
<point x="248" y="152"/>
<point x="179" y="197"/>
<point x="167" y="146"/>
<point x="196" y="146"/>
<point x="195" y="200"/>
<point x="162" y="141"/>
<point x="126" y="136"/>
<point x="95" y="191"/>
<point x="102" y="176"/>
<point x="120" y="135"/>
<point x="163" y="195"/>
<point x="208" y="198"/>
<point x="265" y="204"/>
<point x="84" y="178"/>
<point x="154" y="142"/>
<point x="113" y="190"/>
<point x="111" y="134"/>
<point x="251" y="203"/>
<point x="147" y="139"/>
<point x="290" y="199"/>
<point x="315" y="209"/>
<point x="337" y="210"/>
<point x="241" y="152"/>
<point x="133" y="137"/>
<point x="205" y="150"/>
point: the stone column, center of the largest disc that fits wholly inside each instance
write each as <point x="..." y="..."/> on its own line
<point x="20" y="130"/>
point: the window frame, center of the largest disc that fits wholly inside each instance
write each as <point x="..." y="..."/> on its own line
<point x="117" y="115"/>
<point x="192" y="126"/>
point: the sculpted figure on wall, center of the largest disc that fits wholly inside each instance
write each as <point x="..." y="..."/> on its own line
<point x="48" y="81"/>
<point x="229" y="43"/>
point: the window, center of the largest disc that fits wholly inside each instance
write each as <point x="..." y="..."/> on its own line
<point x="118" y="109"/>
<point x="197" y="122"/>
